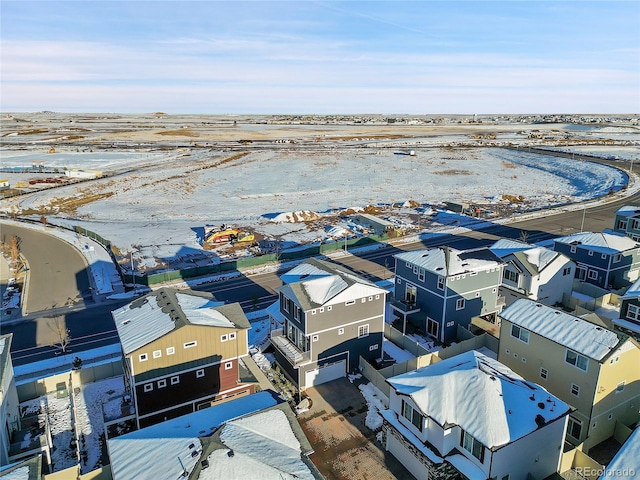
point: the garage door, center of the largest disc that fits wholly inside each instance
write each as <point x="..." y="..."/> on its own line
<point x="325" y="374"/>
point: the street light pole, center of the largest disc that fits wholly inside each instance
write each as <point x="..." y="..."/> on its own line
<point x="584" y="211"/>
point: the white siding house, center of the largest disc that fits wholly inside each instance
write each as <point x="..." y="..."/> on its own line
<point x="471" y="415"/>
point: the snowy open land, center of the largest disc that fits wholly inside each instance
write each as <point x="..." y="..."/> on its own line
<point x="164" y="180"/>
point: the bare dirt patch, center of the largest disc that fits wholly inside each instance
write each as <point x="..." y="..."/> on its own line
<point x="453" y="171"/>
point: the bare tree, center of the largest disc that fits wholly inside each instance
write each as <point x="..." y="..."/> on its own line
<point x="44" y="220"/>
<point x="14" y="248"/>
<point x="62" y="337"/>
<point x="524" y="235"/>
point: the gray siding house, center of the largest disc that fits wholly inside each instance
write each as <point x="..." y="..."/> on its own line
<point x="440" y="288"/>
<point x="331" y="318"/>
<point x="629" y="320"/>
<point x="608" y="260"/>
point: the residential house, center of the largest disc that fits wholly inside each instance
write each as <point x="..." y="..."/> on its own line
<point x="9" y="403"/>
<point x="440" y="288"/>
<point x="586" y="365"/>
<point x="533" y="272"/>
<point x="608" y="260"/>
<point x="470" y="417"/>
<point x="181" y="352"/>
<point x="29" y="469"/>
<point x="331" y="317"/>
<point x="628" y="222"/>
<point x="256" y="436"/>
<point x="629" y="320"/>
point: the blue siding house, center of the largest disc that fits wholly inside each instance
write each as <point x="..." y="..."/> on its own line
<point x="440" y="288"/>
<point x="628" y="221"/>
<point x="608" y="260"/>
<point x="629" y="320"/>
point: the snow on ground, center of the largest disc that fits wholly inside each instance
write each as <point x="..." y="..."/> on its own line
<point x="395" y="352"/>
<point x="57" y="412"/>
<point x="89" y="421"/>
<point x="376" y="401"/>
<point x="253" y="190"/>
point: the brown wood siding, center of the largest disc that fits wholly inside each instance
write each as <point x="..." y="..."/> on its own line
<point x="189" y="388"/>
<point x="208" y="344"/>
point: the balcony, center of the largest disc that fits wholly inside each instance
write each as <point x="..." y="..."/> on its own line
<point x="404" y="307"/>
<point x="288" y="349"/>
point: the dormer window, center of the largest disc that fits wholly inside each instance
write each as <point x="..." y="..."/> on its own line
<point x="472" y="445"/>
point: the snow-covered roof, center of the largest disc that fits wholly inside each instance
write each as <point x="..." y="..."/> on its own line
<point x="323" y="283"/>
<point x="626" y="461"/>
<point x="447" y="261"/>
<point x="29" y="469"/>
<point x="505" y="246"/>
<point x="633" y="291"/>
<point x="162" y="311"/>
<point x="162" y="450"/>
<point x="600" y="242"/>
<point x="563" y="328"/>
<point x="535" y="259"/>
<point x="263" y="445"/>
<point x="629" y="211"/>
<point x="482" y="396"/>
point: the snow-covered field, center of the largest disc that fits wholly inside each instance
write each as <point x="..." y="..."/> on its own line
<point x="158" y="208"/>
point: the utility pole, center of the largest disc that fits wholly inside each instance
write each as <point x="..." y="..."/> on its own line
<point x="584" y="212"/>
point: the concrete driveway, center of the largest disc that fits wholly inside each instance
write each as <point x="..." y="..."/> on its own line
<point x="345" y="449"/>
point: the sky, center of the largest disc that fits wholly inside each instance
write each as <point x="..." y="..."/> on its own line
<point x="324" y="57"/>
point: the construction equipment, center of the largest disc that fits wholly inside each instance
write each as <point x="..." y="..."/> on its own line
<point x="226" y="234"/>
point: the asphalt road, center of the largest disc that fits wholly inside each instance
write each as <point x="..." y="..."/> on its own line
<point x="91" y="326"/>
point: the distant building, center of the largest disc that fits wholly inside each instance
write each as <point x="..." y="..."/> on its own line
<point x="593" y="369"/>
<point x="376" y="224"/>
<point x="83" y="174"/>
<point x="182" y="351"/>
<point x="470" y="417"/>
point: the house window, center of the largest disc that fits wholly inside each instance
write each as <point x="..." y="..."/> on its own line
<point x="341" y="331"/>
<point x="162" y="383"/>
<point x="398" y="280"/>
<point x="410" y="293"/>
<point x="421" y="275"/>
<point x="224" y="338"/>
<point x="175" y="380"/>
<point x="573" y="249"/>
<point x="451" y="323"/>
<point x="321" y="309"/>
<point x="296" y="312"/>
<point x="363" y="300"/>
<point x="148" y="387"/>
<point x="603" y="256"/>
<point x="440" y="283"/>
<point x="190" y="344"/>
<point x="590" y="253"/>
<point x="313" y="312"/>
<point x="460" y="304"/>
<point x="285" y="303"/>
<point x="412" y="415"/>
<point x="415" y="269"/>
<point x="200" y="373"/>
<point x="633" y="312"/>
<point x="566" y="271"/>
<point x="472" y="445"/>
<point x="620" y="387"/>
<point x="511" y="276"/>
<point x="574" y="428"/>
<point x="349" y="302"/>
<point x="593" y="274"/>
<point x="408" y="265"/>
<point x="157" y="353"/>
<point x="617" y="258"/>
<point x="373" y="347"/>
<point x="520" y="333"/>
<point x="378" y="297"/>
<point x="314" y="338"/>
<point x="477" y="294"/>
<point x="363" y="331"/>
<point x="544" y="373"/>
<point x="228" y="365"/>
<point x="232" y="336"/>
<point x="329" y="308"/>
<point x="575" y="390"/>
<point x="171" y="350"/>
<point x="432" y="327"/>
<point x="370" y="299"/>
<point x="576" y="360"/>
<point x="143" y="357"/>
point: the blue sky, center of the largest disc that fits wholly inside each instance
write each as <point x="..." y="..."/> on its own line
<point x="266" y="57"/>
